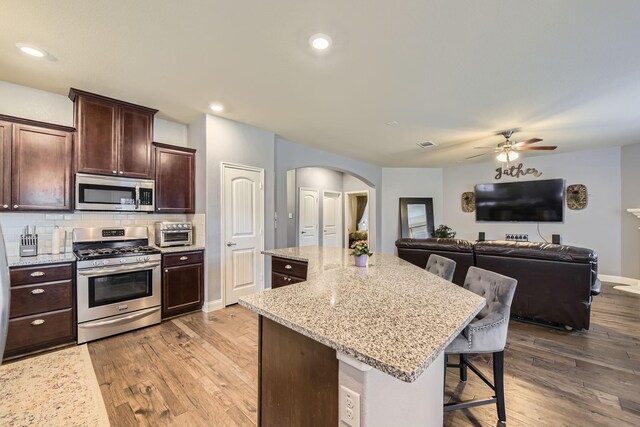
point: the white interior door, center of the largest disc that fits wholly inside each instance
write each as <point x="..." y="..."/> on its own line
<point x="331" y="219"/>
<point x="308" y="217"/>
<point x="242" y="231"/>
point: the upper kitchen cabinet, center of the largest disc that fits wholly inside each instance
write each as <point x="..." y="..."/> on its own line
<point x="114" y="137"/>
<point x="36" y="165"/>
<point x="175" y="179"/>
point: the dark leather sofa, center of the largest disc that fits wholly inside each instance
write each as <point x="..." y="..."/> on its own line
<point x="555" y="282"/>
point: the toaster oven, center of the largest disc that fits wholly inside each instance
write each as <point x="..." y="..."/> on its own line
<point x="174" y="233"/>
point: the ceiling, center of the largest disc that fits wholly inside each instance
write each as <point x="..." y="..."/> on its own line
<point x="452" y="72"/>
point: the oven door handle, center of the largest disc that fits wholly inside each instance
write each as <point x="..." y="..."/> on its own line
<point x="118" y="320"/>
<point x="98" y="272"/>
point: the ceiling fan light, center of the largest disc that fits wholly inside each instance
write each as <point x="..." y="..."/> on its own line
<point x="507" y="156"/>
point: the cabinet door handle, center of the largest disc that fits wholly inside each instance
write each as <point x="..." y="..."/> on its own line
<point x="37" y="291"/>
<point x="184" y="258"/>
<point x="121" y="173"/>
<point x="37" y="274"/>
<point x="37" y="322"/>
<point x="5" y="206"/>
<point x="166" y="270"/>
<point x="114" y="171"/>
<point x="288" y="267"/>
<point x="16" y="206"/>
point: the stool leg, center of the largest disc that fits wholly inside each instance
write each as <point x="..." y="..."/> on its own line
<point x="463" y="367"/>
<point x="498" y="380"/>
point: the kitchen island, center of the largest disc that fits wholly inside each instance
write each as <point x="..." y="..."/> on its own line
<point x="356" y="345"/>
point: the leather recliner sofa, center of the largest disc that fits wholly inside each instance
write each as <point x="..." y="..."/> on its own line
<point x="555" y="282"/>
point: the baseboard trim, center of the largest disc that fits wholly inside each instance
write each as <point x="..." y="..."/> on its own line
<point x="619" y="279"/>
<point x="210" y="306"/>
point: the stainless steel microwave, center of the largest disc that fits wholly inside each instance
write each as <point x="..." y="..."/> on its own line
<point x="108" y="193"/>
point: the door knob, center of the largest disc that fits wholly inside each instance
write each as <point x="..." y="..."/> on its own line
<point x="231" y="244"/>
<point x="303" y="232"/>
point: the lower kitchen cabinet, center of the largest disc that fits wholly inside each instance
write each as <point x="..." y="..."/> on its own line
<point x="287" y="272"/>
<point x="42" y="313"/>
<point x="182" y="283"/>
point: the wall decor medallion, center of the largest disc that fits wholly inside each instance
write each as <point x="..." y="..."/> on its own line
<point x="516" y="171"/>
<point x="468" y="201"/>
<point x="576" y="197"/>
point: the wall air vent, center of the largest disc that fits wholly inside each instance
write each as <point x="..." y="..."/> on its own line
<point x="425" y="144"/>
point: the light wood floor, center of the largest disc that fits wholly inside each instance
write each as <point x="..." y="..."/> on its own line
<point x="201" y="369"/>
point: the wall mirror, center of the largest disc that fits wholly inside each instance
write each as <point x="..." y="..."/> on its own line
<point x="416" y="217"/>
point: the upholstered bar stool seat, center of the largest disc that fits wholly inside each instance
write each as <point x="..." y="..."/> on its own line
<point x="487" y="333"/>
<point x="441" y="266"/>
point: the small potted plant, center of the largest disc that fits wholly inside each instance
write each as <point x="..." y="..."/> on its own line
<point x="444" y="232"/>
<point x="361" y="252"/>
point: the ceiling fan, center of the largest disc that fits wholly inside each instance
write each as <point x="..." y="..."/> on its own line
<point x="508" y="150"/>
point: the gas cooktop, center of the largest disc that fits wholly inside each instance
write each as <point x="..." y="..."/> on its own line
<point x="117" y="252"/>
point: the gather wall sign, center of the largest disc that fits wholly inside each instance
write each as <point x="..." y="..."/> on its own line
<point x="516" y="172"/>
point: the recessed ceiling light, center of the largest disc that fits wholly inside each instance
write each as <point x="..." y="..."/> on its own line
<point x="31" y="50"/>
<point x="320" y="41"/>
<point x="425" y="144"/>
<point x="217" y="107"/>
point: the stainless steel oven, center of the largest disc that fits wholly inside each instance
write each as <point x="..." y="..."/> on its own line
<point x="118" y="281"/>
<point x="174" y="233"/>
<point x="108" y="193"/>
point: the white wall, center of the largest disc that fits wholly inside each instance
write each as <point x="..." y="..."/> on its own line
<point x="407" y="182"/>
<point x="597" y="227"/>
<point x="220" y="140"/>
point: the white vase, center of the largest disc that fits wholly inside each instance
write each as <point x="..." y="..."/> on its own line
<point x="361" y="260"/>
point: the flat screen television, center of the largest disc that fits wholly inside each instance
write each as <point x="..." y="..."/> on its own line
<point x="526" y="201"/>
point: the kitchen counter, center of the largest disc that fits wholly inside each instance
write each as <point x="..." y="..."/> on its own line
<point x="17" y="261"/>
<point x="177" y="249"/>
<point x="391" y="315"/>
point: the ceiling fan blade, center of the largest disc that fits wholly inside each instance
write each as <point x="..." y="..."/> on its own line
<point x="544" y="147"/>
<point x="528" y="141"/>
<point x="477" y="155"/>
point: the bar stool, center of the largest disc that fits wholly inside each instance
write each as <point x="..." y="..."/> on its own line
<point x="487" y="333"/>
<point x="441" y="266"/>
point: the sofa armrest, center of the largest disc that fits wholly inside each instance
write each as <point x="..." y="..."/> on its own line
<point x="596" y="288"/>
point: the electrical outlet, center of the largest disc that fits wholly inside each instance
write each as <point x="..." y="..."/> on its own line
<point x="349" y="407"/>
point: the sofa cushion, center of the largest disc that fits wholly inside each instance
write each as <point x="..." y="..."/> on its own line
<point x="437" y="244"/>
<point x="536" y="250"/>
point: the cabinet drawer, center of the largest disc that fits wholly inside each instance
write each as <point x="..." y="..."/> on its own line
<point x="279" y="280"/>
<point x="27" y="276"/>
<point x="39" y="298"/>
<point x="289" y="267"/>
<point x="182" y="258"/>
<point x="33" y="332"/>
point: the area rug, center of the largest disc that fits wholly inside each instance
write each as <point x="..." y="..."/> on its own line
<point x="54" y="389"/>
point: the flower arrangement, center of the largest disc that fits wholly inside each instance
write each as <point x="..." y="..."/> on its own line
<point x="444" y="231"/>
<point x="360" y="247"/>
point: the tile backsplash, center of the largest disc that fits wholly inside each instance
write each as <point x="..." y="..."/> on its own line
<point x="13" y="224"/>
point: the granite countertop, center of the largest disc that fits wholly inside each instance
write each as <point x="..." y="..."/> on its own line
<point x="391" y="315"/>
<point x="18" y="261"/>
<point x="175" y="249"/>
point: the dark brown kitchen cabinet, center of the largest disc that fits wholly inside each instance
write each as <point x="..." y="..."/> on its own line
<point x="287" y="272"/>
<point x="5" y="163"/>
<point x="114" y="137"/>
<point x="175" y="178"/>
<point x="42" y="312"/>
<point x="36" y="165"/>
<point x="182" y="283"/>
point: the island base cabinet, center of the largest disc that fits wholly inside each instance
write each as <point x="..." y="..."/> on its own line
<point x="182" y="283"/>
<point x="298" y="379"/>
